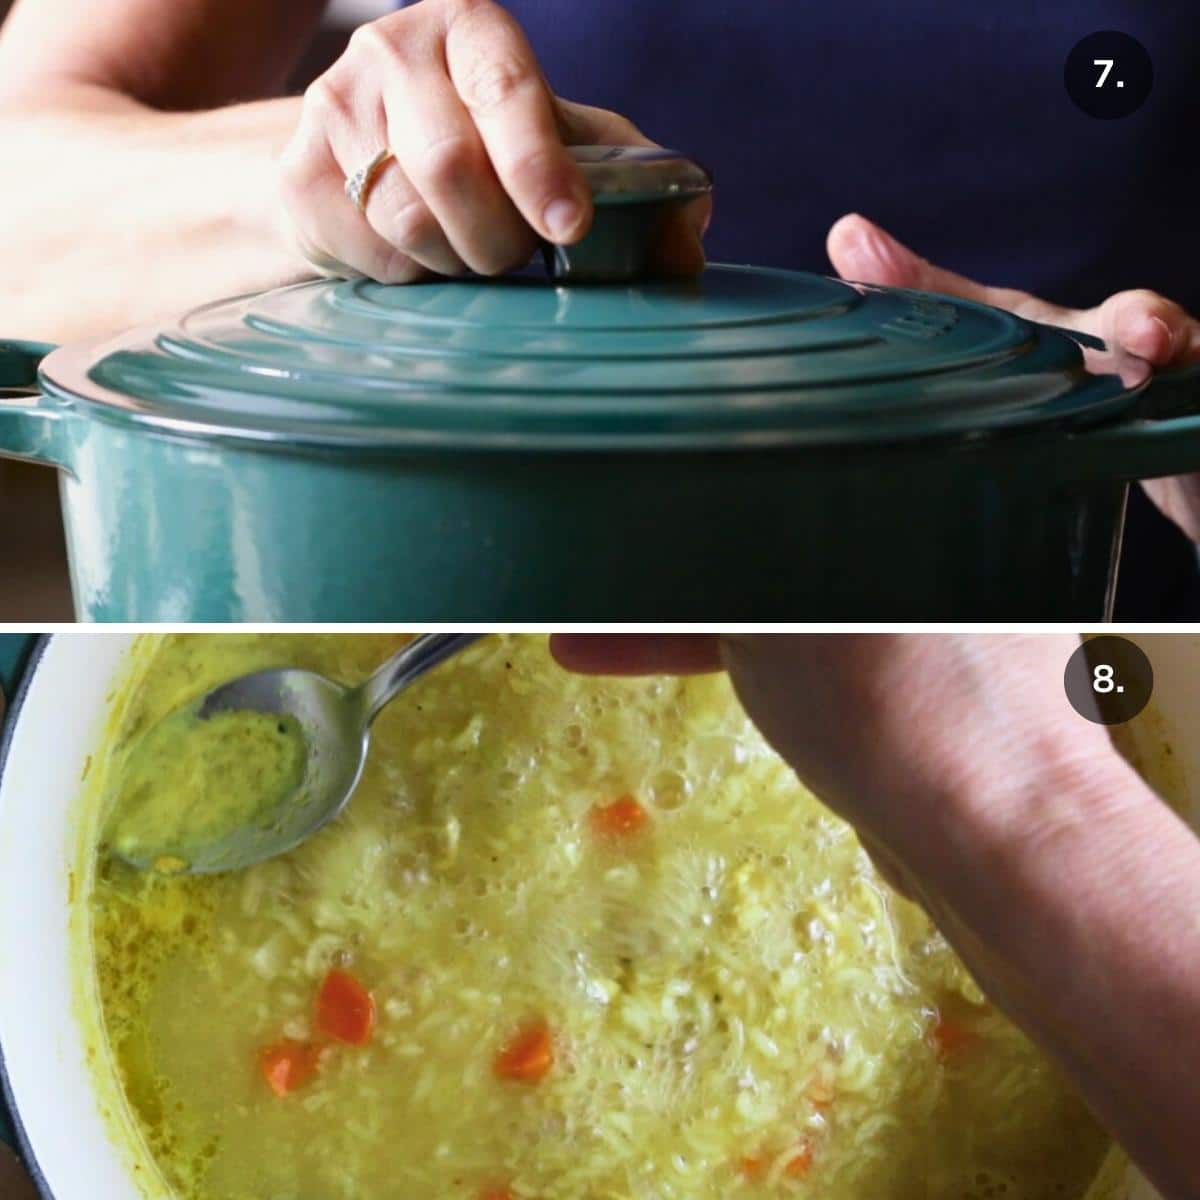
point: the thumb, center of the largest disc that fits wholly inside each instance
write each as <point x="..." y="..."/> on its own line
<point x="863" y="252"/>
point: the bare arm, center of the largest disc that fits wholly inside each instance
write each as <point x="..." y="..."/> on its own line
<point x="1069" y="889"/>
<point x="141" y="196"/>
<point x="139" y="149"/>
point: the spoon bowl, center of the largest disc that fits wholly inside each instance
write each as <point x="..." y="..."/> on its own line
<point x="334" y="723"/>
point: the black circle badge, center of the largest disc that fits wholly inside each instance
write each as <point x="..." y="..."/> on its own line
<point x="1109" y="75"/>
<point x="1108" y="680"/>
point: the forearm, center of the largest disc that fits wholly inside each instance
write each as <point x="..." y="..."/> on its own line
<point x="116" y="213"/>
<point x="1089" y="937"/>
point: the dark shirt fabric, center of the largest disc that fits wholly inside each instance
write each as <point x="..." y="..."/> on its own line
<point x="947" y="121"/>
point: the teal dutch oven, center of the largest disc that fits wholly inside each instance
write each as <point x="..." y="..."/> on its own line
<point x="17" y="650"/>
<point x="753" y="445"/>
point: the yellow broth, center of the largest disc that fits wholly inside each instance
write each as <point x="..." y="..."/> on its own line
<point x="188" y="782"/>
<point x="737" y="1006"/>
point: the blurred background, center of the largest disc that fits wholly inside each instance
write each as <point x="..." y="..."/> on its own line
<point x="33" y="566"/>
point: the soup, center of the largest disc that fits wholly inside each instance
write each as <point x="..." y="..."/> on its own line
<point x="573" y="939"/>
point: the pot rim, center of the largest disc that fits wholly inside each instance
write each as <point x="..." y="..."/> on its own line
<point x="727" y="417"/>
<point x="7" y="1094"/>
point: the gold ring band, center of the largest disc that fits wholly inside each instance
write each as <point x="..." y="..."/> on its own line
<point x="358" y="185"/>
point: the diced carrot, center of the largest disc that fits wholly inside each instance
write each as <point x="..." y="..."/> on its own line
<point x="950" y="1036"/>
<point x="528" y="1057"/>
<point x="798" y="1165"/>
<point x="288" y="1065"/>
<point x="623" y="816"/>
<point x="496" y="1193"/>
<point x="345" y="1009"/>
<point x="752" y="1166"/>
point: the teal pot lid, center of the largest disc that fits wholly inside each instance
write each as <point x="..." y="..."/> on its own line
<point x="740" y="357"/>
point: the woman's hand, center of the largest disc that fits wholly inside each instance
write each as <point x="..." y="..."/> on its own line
<point x="1068" y="889"/>
<point x="1140" y="325"/>
<point x="915" y="740"/>
<point x="479" y="166"/>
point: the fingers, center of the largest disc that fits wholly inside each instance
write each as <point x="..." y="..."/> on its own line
<point x="1140" y="323"/>
<point x="333" y="235"/>
<point x="478" y="162"/>
<point x="861" y="251"/>
<point x="453" y="89"/>
<point x="586" y="125"/>
<point x="497" y="77"/>
<point x="637" y="654"/>
<point x="351" y="119"/>
<point x="441" y="161"/>
<point x="679" y="250"/>
<point x="1149" y="326"/>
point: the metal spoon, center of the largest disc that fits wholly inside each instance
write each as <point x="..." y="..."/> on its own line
<point x="336" y="724"/>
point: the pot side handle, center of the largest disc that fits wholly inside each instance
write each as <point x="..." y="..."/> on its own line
<point x="31" y="424"/>
<point x="15" y="649"/>
<point x="1162" y="437"/>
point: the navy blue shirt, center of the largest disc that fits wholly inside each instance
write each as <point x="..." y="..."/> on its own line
<point x="947" y="121"/>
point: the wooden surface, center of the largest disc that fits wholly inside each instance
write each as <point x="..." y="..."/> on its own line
<point x="33" y="562"/>
<point x="14" y="1183"/>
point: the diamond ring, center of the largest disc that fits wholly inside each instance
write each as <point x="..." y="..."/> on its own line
<point x="358" y="185"/>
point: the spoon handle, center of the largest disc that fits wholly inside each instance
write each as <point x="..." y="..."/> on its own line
<point x="404" y="667"/>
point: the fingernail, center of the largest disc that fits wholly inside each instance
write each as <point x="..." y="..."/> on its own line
<point x="873" y="253"/>
<point x="885" y="250"/>
<point x="857" y="257"/>
<point x="869" y="255"/>
<point x="1150" y="337"/>
<point x="561" y="218"/>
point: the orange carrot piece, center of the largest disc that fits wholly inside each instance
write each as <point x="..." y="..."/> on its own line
<point x="528" y="1056"/>
<point x="752" y="1166"/>
<point x="288" y="1065"/>
<point x="345" y="1009"/>
<point x="496" y="1193"/>
<point x="798" y="1165"/>
<point x="620" y="818"/>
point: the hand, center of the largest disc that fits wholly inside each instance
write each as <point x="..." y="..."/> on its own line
<point x="918" y="741"/>
<point x="1068" y="889"/>
<point x="1141" y="326"/>
<point x="479" y="166"/>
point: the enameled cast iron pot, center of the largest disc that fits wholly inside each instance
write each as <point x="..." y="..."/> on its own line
<point x="755" y="445"/>
<point x="54" y="724"/>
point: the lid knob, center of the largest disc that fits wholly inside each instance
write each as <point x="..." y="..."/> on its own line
<point x="634" y="189"/>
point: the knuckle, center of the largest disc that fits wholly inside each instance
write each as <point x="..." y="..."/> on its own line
<point x="624" y="128"/>
<point x="498" y="258"/>
<point x="375" y="40"/>
<point x="509" y="246"/>
<point x="1133" y="299"/>
<point x="487" y="83"/>
<point x="1145" y="298"/>
<point x="448" y="160"/>
<point x="412" y="226"/>
<point x="537" y="171"/>
<point x="298" y="170"/>
<point x="458" y="9"/>
<point x="324" y="97"/>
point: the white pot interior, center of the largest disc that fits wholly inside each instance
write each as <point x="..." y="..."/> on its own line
<point x="58" y="728"/>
